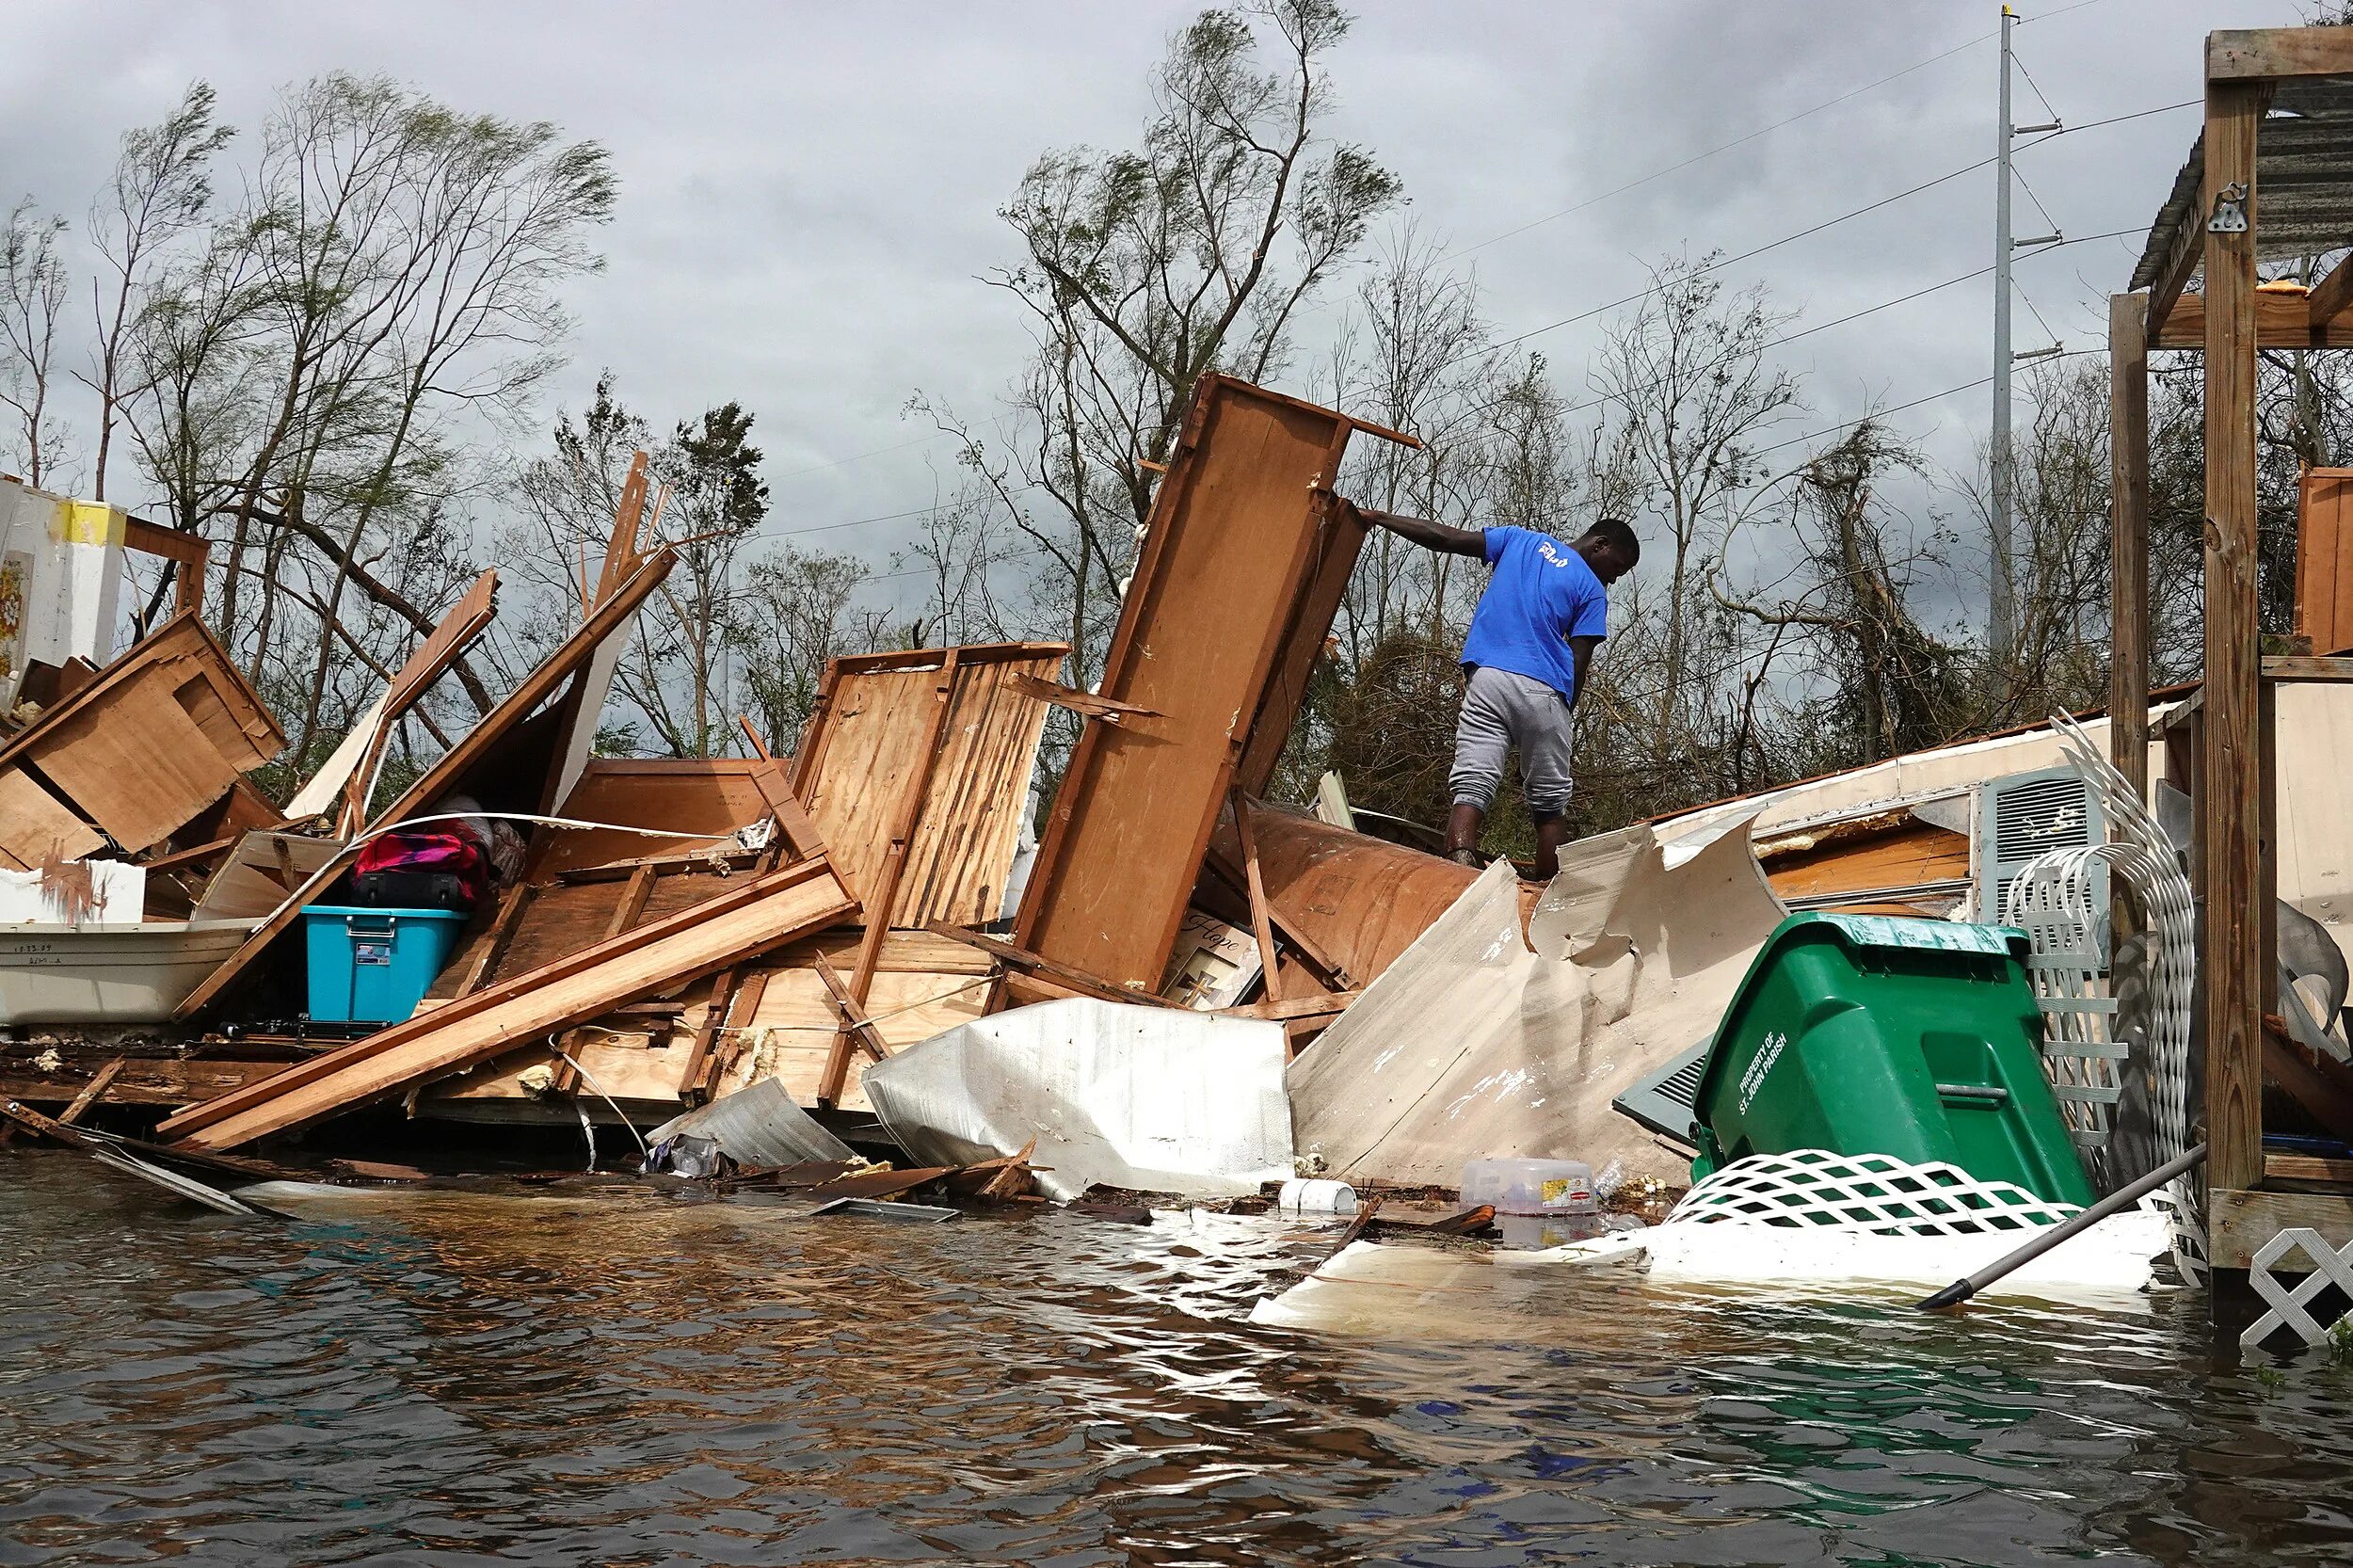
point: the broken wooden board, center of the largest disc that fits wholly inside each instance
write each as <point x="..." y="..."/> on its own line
<point x="1237" y="535"/>
<point x="36" y="826"/>
<point x="887" y="749"/>
<point x="757" y="916"/>
<point x="134" y="762"/>
<point x="466" y="621"/>
<point x="201" y="678"/>
<point x="466" y="761"/>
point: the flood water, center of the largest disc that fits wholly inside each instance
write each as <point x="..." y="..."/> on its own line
<point x="460" y="1379"/>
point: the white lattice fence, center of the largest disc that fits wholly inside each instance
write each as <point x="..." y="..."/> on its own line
<point x="1810" y="1188"/>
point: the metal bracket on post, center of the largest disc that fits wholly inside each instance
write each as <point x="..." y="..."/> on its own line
<point x="2229" y="210"/>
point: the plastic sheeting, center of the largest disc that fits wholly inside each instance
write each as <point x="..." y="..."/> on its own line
<point x="1473" y="1045"/>
<point x="1149" y="1098"/>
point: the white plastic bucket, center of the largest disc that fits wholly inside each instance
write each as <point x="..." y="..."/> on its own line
<point x="1318" y="1196"/>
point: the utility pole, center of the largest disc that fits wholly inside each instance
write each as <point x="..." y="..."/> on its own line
<point x="2001" y="629"/>
<point x="2002" y="619"/>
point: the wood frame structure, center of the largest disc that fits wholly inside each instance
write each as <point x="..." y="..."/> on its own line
<point x="2233" y="858"/>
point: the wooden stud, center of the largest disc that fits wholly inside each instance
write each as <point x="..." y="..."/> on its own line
<point x="2241" y="55"/>
<point x="707" y="1036"/>
<point x="1067" y="981"/>
<point x="634" y="898"/>
<point x="2329" y="299"/>
<point x="751" y="737"/>
<point x="855" y="1026"/>
<point x="2128" y="553"/>
<point x="503" y="929"/>
<point x="2230" y="792"/>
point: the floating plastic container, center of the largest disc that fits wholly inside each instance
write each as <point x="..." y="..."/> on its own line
<point x="1548" y="1187"/>
<point x="1316" y="1196"/>
<point x="1877" y="1035"/>
<point x="373" y="965"/>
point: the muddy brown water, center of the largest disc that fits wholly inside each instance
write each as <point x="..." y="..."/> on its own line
<point x="504" y="1378"/>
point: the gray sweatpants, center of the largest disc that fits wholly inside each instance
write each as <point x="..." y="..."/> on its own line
<point x="1499" y="709"/>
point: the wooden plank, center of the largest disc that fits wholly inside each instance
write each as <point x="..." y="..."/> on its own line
<point x="707" y="1034"/>
<point x="882" y="899"/>
<point x="1232" y="550"/>
<point x="763" y="914"/>
<point x="136" y="765"/>
<point x="1073" y="981"/>
<point x="2231" y="792"/>
<point x="611" y="618"/>
<point x="2254" y="54"/>
<point x="2283" y="319"/>
<point x="188" y="554"/>
<point x="431" y="660"/>
<point x="1253" y="886"/>
<point x="92" y="1091"/>
<point x="620" y="551"/>
<point x="2239" y="1221"/>
<point x="2329" y="299"/>
<point x="632" y="905"/>
<point x="700" y="800"/>
<point x="2128" y="549"/>
<point x="143" y="1081"/>
<point x="36" y="826"/>
<point x="2294" y="667"/>
<point x="1321" y="1006"/>
<point x="2309" y="1168"/>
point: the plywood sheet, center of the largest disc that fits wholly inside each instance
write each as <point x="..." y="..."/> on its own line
<point x="34" y="825"/>
<point x="790" y="1036"/>
<point x="136" y="763"/>
<point x="880" y="730"/>
<point x="1231" y="551"/>
<point x="1903" y="856"/>
<point x="2324" y="559"/>
<point x="228" y="710"/>
<point x="699" y="799"/>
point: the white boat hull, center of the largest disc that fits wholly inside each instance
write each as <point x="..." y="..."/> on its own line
<point x="108" y="974"/>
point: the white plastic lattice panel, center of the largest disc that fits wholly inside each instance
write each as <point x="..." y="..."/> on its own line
<point x="1873" y="1192"/>
<point x="2157" y="881"/>
<point x="2329" y="1267"/>
<point x="2053" y="899"/>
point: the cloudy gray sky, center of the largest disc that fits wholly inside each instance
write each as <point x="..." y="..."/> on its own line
<point x="808" y="192"/>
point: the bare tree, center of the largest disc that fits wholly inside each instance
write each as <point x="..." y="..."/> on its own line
<point x="158" y="193"/>
<point x="32" y="297"/>
<point x="1144" y="270"/>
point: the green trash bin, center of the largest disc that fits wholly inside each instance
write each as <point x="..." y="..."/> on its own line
<point x="1873" y="1035"/>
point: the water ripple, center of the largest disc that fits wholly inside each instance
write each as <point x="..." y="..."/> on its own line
<point x="461" y="1378"/>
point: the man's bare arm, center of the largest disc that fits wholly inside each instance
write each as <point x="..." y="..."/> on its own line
<point x="1582" y="652"/>
<point x="1431" y="535"/>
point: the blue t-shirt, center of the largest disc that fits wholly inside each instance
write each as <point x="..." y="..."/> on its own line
<point x="1542" y="593"/>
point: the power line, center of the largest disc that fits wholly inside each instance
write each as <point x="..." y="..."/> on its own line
<point x="1726" y="147"/>
<point x="1811" y="229"/>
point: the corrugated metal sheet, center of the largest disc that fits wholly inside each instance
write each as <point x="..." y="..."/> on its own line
<point x="2303" y="180"/>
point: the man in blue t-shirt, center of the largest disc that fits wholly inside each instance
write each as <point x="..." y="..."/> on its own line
<point x="1546" y="608"/>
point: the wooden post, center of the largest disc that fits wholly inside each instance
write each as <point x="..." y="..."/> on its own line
<point x="2128" y="550"/>
<point x="2231" y="793"/>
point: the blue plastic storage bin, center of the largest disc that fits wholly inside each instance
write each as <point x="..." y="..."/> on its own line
<point x="373" y="965"/>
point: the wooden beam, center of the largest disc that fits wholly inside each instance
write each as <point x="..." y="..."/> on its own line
<point x="2311" y="1168"/>
<point x="634" y="897"/>
<point x="855" y="1028"/>
<point x="2330" y="299"/>
<point x="2239" y="1221"/>
<point x="2261" y="53"/>
<point x="1261" y="925"/>
<point x="2230" y="792"/>
<point x="2128" y="550"/>
<point x="1089" y="703"/>
<point x="188" y="554"/>
<point x="92" y="1091"/>
<point x="1073" y="981"/>
<point x="2305" y="667"/>
<point x="2283" y="319"/>
<point x="1319" y="1006"/>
